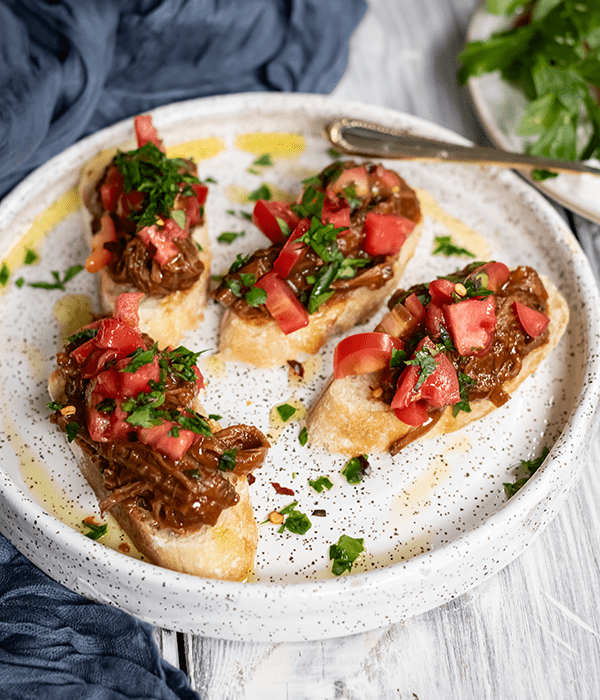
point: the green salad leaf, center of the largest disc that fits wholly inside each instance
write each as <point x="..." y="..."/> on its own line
<point x="551" y="51"/>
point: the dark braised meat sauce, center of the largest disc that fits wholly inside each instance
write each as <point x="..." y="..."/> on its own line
<point x="382" y="199"/>
<point x="134" y="264"/>
<point x="511" y="343"/>
<point x="182" y="495"/>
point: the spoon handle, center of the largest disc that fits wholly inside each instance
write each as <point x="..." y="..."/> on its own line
<point x="354" y="136"/>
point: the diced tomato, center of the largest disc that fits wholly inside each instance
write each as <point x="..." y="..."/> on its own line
<point x="100" y="256"/>
<point x="534" y="322"/>
<point x="384" y="234"/>
<point x="106" y="426"/>
<point x="414" y="414"/>
<point x="111" y="188"/>
<point x="336" y="213"/>
<point x="145" y="131"/>
<point x="118" y="336"/>
<point x="441" y="291"/>
<point x="126" y="308"/>
<point x="434" y="320"/>
<point x="364" y="353"/>
<point x="416" y="308"/>
<point x="493" y="275"/>
<point x="173" y="447"/>
<point x="201" y="191"/>
<point x="133" y="383"/>
<point x="199" y="377"/>
<point x="130" y="201"/>
<point x="81" y="354"/>
<point x="439" y="389"/>
<point x="292" y="251"/>
<point x="165" y="248"/>
<point x="471" y="324"/>
<point x="282" y="303"/>
<point x="398" y="322"/>
<point x="388" y="178"/>
<point x="357" y="178"/>
<point x="265" y="217"/>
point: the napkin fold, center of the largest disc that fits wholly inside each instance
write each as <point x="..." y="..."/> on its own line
<point x="71" y="67"/>
<point x="57" y="645"/>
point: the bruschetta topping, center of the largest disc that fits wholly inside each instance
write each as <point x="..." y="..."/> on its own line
<point x="145" y="205"/>
<point x="458" y="339"/>
<point x="132" y="406"/>
<point x="344" y="233"/>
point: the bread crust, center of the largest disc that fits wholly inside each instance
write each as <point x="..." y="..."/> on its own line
<point x="262" y="343"/>
<point x="224" y="551"/>
<point x="166" y="319"/>
<point x="346" y="420"/>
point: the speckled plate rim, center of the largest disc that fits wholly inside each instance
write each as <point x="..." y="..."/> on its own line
<point x="500" y="139"/>
<point x="335" y="595"/>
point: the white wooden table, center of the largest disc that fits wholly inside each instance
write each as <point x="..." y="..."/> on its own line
<point x="532" y="631"/>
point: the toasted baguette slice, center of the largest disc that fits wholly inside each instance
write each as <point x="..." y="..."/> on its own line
<point x="262" y="343"/>
<point x="224" y="551"/>
<point x="345" y="419"/>
<point x="165" y="319"/>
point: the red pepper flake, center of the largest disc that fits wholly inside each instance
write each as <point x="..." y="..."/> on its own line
<point x="251" y="479"/>
<point x="297" y="367"/>
<point x="282" y="490"/>
<point x="124" y="547"/>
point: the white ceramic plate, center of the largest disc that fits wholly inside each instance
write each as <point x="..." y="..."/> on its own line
<point x="500" y="107"/>
<point x="435" y="518"/>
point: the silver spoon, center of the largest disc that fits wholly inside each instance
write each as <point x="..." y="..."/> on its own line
<point x="357" y="137"/>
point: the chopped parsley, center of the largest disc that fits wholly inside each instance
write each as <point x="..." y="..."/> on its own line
<point x="345" y="553"/>
<point x="20" y="281"/>
<point x="181" y="362"/>
<point x="95" y="531"/>
<point x="323" y="482"/>
<point x="296" y="522"/>
<point x="139" y="358"/>
<point x="332" y="153"/>
<point x="59" y="282"/>
<point x="30" y="257"/>
<point x="263" y="192"/>
<point x="445" y="246"/>
<point x="530" y="466"/>
<point x="106" y="405"/>
<point x="256" y="296"/>
<point x="303" y="436"/>
<point x="425" y="360"/>
<point x="356" y="469"/>
<point x="286" y="411"/>
<point x="230" y="236"/>
<point x="72" y="430"/>
<point x="263" y="161"/>
<point x="4" y="274"/>
<point x="238" y="263"/>
<point x="54" y="406"/>
<point x="147" y="169"/>
<point x="83" y="336"/>
<point x="464" y="384"/>
<point x="228" y="460"/>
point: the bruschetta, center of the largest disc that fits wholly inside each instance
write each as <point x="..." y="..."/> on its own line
<point x="446" y="354"/>
<point x="334" y="258"/>
<point x="175" y="481"/>
<point x="143" y="214"/>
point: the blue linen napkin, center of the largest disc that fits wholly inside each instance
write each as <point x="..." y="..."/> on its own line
<point x="56" y="645"/>
<point x="67" y="69"/>
<point x="71" y="67"/>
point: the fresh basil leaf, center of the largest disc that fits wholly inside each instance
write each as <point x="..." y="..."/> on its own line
<point x="356" y="469"/>
<point x="256" y="296"/>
